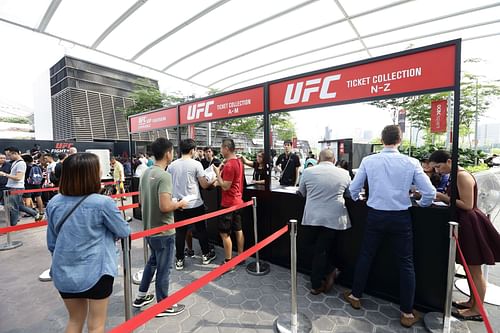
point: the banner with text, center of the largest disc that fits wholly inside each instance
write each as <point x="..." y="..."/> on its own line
<point x="438" y="116"/>
<point x="237" y="104"/>
<point x="153" y="120"/>
<point x="423" y="70"/>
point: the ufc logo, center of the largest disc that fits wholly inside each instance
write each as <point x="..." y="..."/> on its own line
<point x="195" y="110"/>
<point x="295" y="92"/>
<point x="62" y="145"/>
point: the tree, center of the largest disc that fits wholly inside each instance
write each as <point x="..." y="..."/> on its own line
<point x="147" y="97"/>
<point x="475" y="97"/>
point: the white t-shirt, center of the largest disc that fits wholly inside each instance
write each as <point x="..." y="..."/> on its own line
<point x="16" y="167"/>
<point x="185" y="173"/>
<point x="140" y="170"/>
<point x="51" y="167"/>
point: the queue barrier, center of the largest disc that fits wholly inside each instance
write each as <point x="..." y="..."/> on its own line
<point x="10" y="244"/>
<point x="151" y="312"/>
<point x="482" y="311"/>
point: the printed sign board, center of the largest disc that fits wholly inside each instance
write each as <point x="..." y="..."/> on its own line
<point x="424" y="70"/>
<point x="154" y="120"/>
<point x="438" y="116"/>
<point x="237" y="104"/>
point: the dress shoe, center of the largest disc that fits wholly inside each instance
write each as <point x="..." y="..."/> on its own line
<point x="409" y="321"/>
<point x="355" y="303"/>
<point x="330" y="280"/>
<point x="317" y="291"/>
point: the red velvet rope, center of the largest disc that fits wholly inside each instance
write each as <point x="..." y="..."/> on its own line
<point x="152" y="311"/>
<point x="141" y="234"/>
<point x="474" y="290"/>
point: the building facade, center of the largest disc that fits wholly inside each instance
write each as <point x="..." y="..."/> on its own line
<point x="88" y="100"/>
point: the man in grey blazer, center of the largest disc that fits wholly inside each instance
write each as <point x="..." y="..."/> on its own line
<point x="325" y="214"/>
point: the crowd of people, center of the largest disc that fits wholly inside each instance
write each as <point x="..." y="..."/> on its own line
<point x="84" y="254"/>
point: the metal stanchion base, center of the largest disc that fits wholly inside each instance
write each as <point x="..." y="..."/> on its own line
<point x="137" y="278"/>
<point x="264" y="268"/>
<point x="283" y="324"/>
<point x="492" y="291"/>
<point x="45" y="276"/>
<point x="433" y="321"/>
<point x="10" y="246"/>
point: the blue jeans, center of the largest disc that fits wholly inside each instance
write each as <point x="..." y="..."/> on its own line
<point x="160" y="260"/>
<point x="397" y="225"/>
<point x="16" y="205"/>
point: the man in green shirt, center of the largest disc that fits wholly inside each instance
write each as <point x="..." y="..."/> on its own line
<point x="157" y="208"/>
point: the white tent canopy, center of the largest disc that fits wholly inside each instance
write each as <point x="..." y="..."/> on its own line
<point x="226" y="44"/>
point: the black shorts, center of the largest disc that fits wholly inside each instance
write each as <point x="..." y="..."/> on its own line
<point x="101" y="290"/>
<point x="229" y="222"/>
<point x="32" y="195"/>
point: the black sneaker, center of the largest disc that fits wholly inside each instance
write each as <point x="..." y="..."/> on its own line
<point x="208" y="258"/>
<point x="173" y="311"/>
<point x="141" y="301"/>
<point x="38" y="217"/>
<point x="189" y="253"/>
<point x="179" y="264"/>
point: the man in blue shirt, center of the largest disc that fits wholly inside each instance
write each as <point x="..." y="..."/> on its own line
<point x="390" y="175"/>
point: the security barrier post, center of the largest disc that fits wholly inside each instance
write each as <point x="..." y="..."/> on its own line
<point x="293" y="322"/>
<point x="10" y="244"/>
<point x="444" y="322"/>
<point x="257" y="267"/>
<point x="127" y="283"/>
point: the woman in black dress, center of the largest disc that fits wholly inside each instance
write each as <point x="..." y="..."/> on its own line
<point x="259" y="168"/>
<point x="479" y="240"/>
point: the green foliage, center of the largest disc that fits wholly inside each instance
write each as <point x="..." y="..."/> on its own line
<point x="466" y="156"/>
<point x="147" y="97"/>
<point x="15" y="120"/>
<point x="477" y="168"/>
<point x="475" y="97"/>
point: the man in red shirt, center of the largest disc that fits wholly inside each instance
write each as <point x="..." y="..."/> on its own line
<point x="230" y="179"/>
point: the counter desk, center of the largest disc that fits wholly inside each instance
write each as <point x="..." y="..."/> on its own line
<point x="431" y="243"/>
<point x="276" y="207"/>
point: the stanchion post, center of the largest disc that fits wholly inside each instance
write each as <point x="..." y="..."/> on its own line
<point x="10" y="244"/>
<point x="437" y="322"/>
<point x="127" y="274"/>
<point x="257" y="267"/>
<point x="452" y="251"/>
<point x="294" y="322"/>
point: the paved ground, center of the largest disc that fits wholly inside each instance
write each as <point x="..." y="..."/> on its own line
<point x="236" y="302"/>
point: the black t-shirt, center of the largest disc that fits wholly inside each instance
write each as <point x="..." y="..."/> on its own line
<point x="288" y="166"/>
<point x="206" y="163"/>
<point x="258" y="174"/>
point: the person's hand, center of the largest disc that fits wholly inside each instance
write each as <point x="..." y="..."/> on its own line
<point x="216" y="170"/>
<point x="183" y="204"/>
<point x="442" y="197"/>
<point x="2" y="174"/>
<point x="239" y="156"/>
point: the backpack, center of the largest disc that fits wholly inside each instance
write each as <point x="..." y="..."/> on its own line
<point x="35" y="177"/>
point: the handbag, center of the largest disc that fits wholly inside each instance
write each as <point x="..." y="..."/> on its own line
<point x="58" y="226"/>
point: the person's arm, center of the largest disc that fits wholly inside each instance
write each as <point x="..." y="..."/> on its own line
<point x="424" y="186"/>
<point x="465" y="184"/>
<point x="224" y="184"/>
<point x="113" y="220"/>
<point x="302" y="185"/>
<point x="358" y="182"/>
<point x="168" y="205"/>
<point x="246" y="161"/>
<point x="51" y="234"/>
<point x="17" y="177"/>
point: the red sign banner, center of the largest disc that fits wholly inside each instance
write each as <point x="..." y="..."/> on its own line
<point x="238" y="104"/>
<point x="424" y="70"/>
<point x="153" y="120"/>
<point x="438" y="116"/>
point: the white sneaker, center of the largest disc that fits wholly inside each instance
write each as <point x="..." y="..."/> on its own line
<point x="173" y="311"/>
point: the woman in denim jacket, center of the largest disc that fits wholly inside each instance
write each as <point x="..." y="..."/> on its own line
<point x="84" y="259"/>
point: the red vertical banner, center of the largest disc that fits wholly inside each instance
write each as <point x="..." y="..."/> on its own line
<point x="191" y="132"/>
<point x="294" y="142"/>
<point x="341" y="148"/>
<point x="438" y="116"/>
<point x="402" y="119"/>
